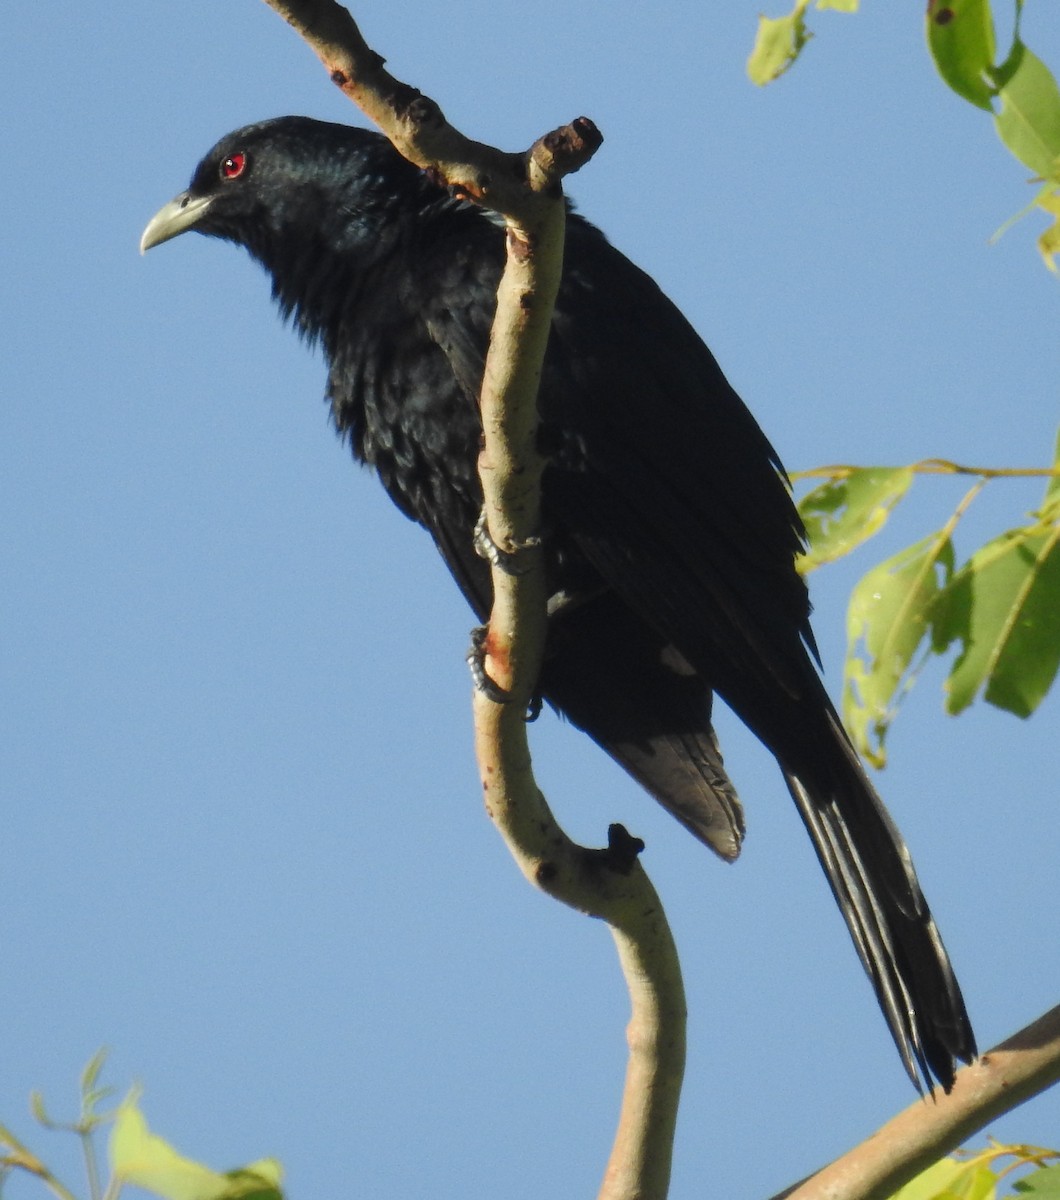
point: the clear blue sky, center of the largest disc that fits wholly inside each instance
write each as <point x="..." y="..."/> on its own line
<point x="242" y="840"/>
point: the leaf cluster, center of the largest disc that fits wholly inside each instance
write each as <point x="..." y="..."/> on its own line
<point x="980" y="1175"/>
<point x="960" y="36"/>
<point x="1000" y="608"/>
<point x="1019" y="92"/>
<point x="137" y="1157"/>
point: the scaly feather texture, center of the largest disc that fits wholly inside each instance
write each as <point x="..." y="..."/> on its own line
<point x="669" y="528"/>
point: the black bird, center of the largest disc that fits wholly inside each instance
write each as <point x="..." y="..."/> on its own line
<point x="670" y="532"/>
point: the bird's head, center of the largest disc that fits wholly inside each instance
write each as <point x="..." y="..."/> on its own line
<point x="291" y="180"/>
<point x="315" y="203"/>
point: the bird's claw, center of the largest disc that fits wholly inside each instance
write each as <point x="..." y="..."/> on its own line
<point x="476" y="660"/>
<point x="509" y="561"/>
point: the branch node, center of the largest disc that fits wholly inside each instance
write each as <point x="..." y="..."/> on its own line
<point x="623" y="849"/>
<point x="545" y="873"/>
<point x="561" y="152"/>
<point x="419" y="110"/>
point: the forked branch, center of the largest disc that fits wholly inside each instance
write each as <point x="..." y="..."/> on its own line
<point x="525" y="189"/>
<point x="610" y="884"/>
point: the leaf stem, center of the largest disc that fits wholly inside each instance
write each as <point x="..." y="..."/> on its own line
<point x="24" y="1158"/>
<point x="91" y="1164"/>
<point x="934" y="466"/>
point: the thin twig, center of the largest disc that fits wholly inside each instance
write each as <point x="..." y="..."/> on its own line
<point x="930" y="466"/>
<point x="88" y="1149"/>
<point x="24" y="1159"/>
<point x="418" y="128"/>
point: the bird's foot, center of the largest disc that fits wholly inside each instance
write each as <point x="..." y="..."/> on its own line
<point x="476" y="660"/>
<point x="509" y="561"/>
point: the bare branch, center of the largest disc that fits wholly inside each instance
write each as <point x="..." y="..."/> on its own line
<point x="605" y="883"/>
<point x="608" y="884"/>
<point x="512" y="184"/>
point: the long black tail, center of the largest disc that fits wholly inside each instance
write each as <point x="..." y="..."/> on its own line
<point x="620" y="682"/>
<point x="872" y="877"/>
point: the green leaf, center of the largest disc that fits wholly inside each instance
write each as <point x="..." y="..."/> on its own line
<point x="777" y="44"/>
<point x="1029" y="120"/>
<point x="780" y="40"/>
<point x="960" y="36"/>
<point x="259" y="1181"/>
<point x="1042" y="1185"/>
<point x="91" y="1095"/>
<point x="842" y="513"/>
<point x="142" y="1159"/>
<point x="36" y="1107"/>
<point x="887" y="620"/>
<point x="90" y="1074"/>
<point x="950" y="1179"/>
<point x="1002" y="607"/>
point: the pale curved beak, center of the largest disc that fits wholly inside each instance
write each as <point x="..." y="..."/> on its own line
<point x="182" y="213"/>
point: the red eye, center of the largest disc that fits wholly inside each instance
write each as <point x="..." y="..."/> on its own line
<point x="233" y="166"/>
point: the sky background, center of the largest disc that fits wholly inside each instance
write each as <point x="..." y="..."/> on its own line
<point x="242" y="840"/>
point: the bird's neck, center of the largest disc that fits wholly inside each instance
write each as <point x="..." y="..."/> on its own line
<point x="320" y="282"/>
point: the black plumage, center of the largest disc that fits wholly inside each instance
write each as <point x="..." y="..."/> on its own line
<point x="669" y="529"/>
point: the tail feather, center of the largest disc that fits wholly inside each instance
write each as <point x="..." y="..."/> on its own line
<point x="635" y="694"/>
<point x="685" y="773"/>
<point x="630" y="690"/>
<point x="872" y="878"/>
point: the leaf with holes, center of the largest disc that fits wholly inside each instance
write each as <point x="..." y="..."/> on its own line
<point x="960" y="36"/>
<point x="842" y="513"/>
<point x="886" y="622"/>
<point x="777" y="44"/>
